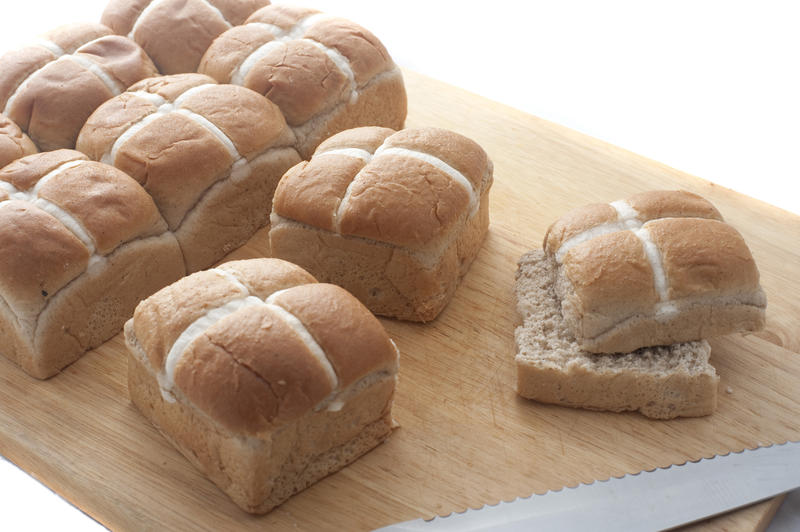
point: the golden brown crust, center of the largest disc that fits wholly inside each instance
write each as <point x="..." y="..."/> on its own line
<point x="241" y="115"/>
<point x="460" y="152"/>
<point x="672" y="204"/>
<point x="115" y="211"/>
<point x="157" y="325"/>
<point x="121" y="58"/>
<point x="120" y="15"/>
<point x="277" y="377"/>
<point x="253" y="369"/>
<point x="175" y="33"/>
<point x="403" y="201"/>
<point x="390" y="281"/>
<point x="50" y="96"/>
<point x="282" y="275"/>
<point x="53" y="118"/>
<point x="694" y="266"/>
<point x="41" y="253"/>
<point x="281" y="15"/>
<point x="366" y="54"/>
<point x="172" y="86"/>
<point x="382" y="102"/>
<point x="162" y="317"/>
<point x="323" y="178"/>
<point x="195" y="146"/>
<point x="361" y="138"/>
<point x="646" y="206"/>
<point x="38" y="256"/>
<point x="320" y="71"/>
<point x="175" y="178"/>
<point x="237" y="11"/>
<point x="396" y="197"/>
<point x="77" y="252"/>
<point x="99" y="133"/>
<point x="338" y="322"/>
<point x="386" y="216"/>
<point x="18" y="65"/>
<point x="178" y="48"/>
<point x="26" y="172"/>
<point x="660" y="267"/>
<point x="231" y="50"/>
<point x="300" y="78"/>
<point x="255" y="404"/>
<point x="14" y="143"/>
<point x="609" y="276"/>
<point x="575" y="222"/>
<point x="70" y="37"/>
<point x="102" y="129"/>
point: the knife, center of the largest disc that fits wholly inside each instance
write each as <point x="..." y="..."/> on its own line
<point x="649" y="500"/>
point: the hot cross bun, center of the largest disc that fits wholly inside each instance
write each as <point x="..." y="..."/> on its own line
<point x="210" y="155"/>
<point x="658" y="268"/>
<point x="394" y="217"/>
<point x="263" y="378"/>
<point x="327" y="74"/>
<point x="81" y="243"/>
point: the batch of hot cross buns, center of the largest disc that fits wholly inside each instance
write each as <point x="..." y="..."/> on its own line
<point x="138" y="152"/>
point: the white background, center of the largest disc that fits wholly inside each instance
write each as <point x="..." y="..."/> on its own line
<point x="708" y="87"/>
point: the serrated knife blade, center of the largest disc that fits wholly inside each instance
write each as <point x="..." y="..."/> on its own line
<point x="657" y="499"/>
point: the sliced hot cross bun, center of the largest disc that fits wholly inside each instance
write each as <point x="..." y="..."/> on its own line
<point x="81" y="243"/>
<point x="51" y="87"/>
<point x="655" y="269"/>
<point x="327" y="74"/>
<point x="176" y="33"/>
<point x="616" y="306"/>
<point x="210" y="156"/>
<point x="394" y="217"/>
<point x="263" y="378"/>
<point x="661" y="382"/>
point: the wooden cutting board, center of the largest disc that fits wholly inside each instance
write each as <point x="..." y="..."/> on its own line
<point x="465" y="438"/>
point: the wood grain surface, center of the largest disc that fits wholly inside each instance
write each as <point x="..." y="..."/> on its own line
<point x="465" y="438"/>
